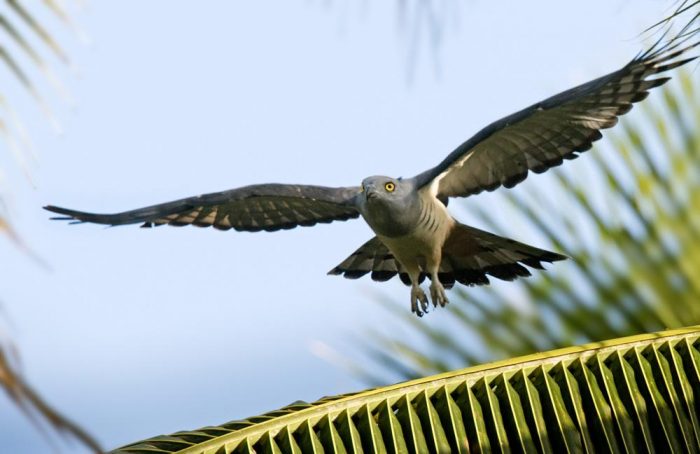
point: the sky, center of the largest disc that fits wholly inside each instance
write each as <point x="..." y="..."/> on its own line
<point x="138" y="332"/>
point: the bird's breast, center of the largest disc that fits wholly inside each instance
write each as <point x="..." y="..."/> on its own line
<point x="427" y="217"/>
<point x="388" y="219"/>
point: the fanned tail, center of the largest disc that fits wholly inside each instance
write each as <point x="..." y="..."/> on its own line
<point x="469" y="256"/>
<point x="374" y="257"/>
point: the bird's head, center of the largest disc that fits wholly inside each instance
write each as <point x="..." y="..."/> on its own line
<point x="389" y="205"/>
<point x="385" y="190"/>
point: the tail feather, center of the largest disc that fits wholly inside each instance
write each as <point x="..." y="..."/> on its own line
<point x="494" y="256"/>
<point x="374" y="257"/>
<point x="469" y="257"/>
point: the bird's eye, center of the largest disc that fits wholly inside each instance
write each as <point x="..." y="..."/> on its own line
<point x="390" y="186"/>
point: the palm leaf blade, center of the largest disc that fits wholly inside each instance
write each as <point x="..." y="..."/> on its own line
<point x="602" y="396"/>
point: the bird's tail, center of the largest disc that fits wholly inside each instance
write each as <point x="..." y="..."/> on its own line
<point x="469" y="256"/>
<point x="373" y="256"/>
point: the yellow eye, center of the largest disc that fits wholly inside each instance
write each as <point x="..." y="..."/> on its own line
<point x="390" y="186"/>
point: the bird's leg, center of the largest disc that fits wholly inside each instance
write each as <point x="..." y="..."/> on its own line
<point x="417" y="293"/>
<point x="437" y="291"/>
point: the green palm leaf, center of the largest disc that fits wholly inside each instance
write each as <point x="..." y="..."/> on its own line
<point x="635" y="393"/>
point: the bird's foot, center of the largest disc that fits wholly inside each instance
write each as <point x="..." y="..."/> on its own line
<point x="418" y="296"/>
<point x="437" y="294"/>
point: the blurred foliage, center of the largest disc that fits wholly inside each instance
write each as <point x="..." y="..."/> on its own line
<point x="24" y="55"/>
<point x="32" y="404"/>
<point x="20" y="55"/>
<point x="685" y="10"/>
<point x="630" y="221"/>
<point x="423" y="26"/>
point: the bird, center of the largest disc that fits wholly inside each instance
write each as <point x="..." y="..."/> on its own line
<point x="415" y="235"/>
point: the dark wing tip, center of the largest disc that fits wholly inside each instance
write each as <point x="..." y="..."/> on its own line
<point x="78" y="217"/>
<point x="673" y="65"/>
<point x="54" y="209"/>
<point x="554" y="257"/>
<point x="68" y="215"/>
<point x="548" y="257"/>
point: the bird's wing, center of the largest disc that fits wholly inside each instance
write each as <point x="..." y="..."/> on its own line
<point x="266" y="207"/>
<point x="557" y="128"/>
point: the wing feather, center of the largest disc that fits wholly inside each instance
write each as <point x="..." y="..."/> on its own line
<point x="543" y="135"/>
<point x="253" y="208"/>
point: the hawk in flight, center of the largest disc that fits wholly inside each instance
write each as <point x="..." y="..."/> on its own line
<point x="416" y="237"/>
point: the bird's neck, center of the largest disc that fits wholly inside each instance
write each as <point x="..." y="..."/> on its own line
<point x="394" y="219"/>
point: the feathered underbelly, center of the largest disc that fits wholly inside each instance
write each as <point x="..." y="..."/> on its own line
<point x="425" y="241"/>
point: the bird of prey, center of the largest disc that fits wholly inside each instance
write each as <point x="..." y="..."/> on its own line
<point x="416" y="237"/>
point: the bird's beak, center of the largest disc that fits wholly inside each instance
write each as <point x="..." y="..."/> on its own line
<point x="369" y="191"/>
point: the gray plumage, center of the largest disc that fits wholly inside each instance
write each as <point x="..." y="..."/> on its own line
<point x="416" y="237"/>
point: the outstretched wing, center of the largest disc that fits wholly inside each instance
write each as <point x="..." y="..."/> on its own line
<point x="253" y="208"/>
<point x="560" y="127"/>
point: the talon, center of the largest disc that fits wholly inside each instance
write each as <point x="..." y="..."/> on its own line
<point x="415" y="310"/>
<point x="418" y="296"/>
<point x="424" y="302"/>
<point x="437" y="294"/>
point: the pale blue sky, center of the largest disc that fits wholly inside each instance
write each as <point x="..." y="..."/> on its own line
<point x="136" y="332"/>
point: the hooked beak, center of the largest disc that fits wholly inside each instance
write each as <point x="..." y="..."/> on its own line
<point x="369" y="191"/>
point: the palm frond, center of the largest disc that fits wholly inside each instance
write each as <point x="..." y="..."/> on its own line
<point x="23" y="59"/>
<point x="29" y="402"/>
<point x="635" y="393"/>
<point x="21" y="56"/>
<point x="424" y="27"/>
<point x="32" y="404"/>
<point x="687" y="11"/>
<point x="23" y="45"/>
